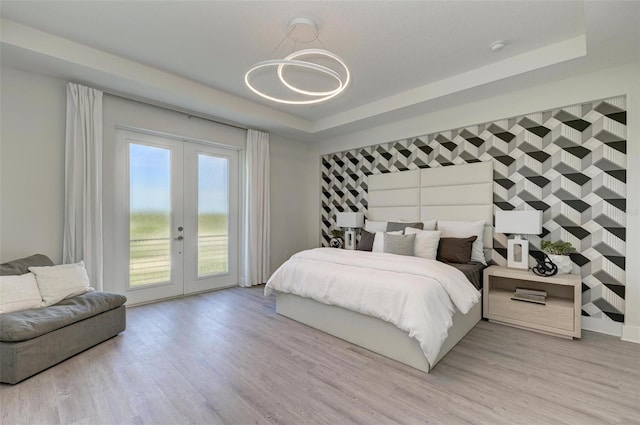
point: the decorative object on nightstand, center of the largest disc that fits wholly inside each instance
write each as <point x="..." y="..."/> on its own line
<point x="545" y="267"/>
<point x="350" y="221"/>
<point x="518" y="223"/>
<point x="559" y="254"/>
<point x="552" y="305"/>
<point x="336" y="239"/>
<point x="530" y="295"/>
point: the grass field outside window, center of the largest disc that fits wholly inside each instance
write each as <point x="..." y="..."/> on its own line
<point x="150" y="247"/>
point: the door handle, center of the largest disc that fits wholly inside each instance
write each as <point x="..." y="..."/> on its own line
<point x="179" y="238"/>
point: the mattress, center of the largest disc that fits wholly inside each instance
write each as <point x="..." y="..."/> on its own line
<point x="417" y="295"/>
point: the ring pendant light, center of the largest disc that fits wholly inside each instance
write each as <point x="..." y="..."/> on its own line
<point x="317" y="52"/>
<point x="302" y="30"/>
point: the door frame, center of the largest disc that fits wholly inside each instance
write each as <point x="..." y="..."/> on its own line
<point x="120" y="211"/>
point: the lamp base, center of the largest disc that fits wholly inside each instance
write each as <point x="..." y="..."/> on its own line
<point x="349" y="239"/>
<point x="518" y="253"/>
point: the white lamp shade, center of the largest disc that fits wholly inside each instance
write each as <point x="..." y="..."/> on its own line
<point x="350" y="219"/>
<point x="519" y="222"/>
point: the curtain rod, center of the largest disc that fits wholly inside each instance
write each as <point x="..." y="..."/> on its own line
<point x="159" y="105"/>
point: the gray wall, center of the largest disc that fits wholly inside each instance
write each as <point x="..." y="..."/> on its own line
<point x="32" y="168"/>
<point x="294" y="201"/>
<point x="32" y="119"/>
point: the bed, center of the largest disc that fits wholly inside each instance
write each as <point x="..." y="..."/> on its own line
<point x="461" y="192"/>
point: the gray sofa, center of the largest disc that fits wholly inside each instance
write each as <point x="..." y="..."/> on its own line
<point x="36" y="339"/>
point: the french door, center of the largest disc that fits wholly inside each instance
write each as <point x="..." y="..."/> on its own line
<point x="179" y="217"/>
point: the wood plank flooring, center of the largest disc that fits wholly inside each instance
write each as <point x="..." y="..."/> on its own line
<point x="226" y="357"/>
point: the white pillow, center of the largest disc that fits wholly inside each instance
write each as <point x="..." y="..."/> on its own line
<point x="378" y="240"/>
<point x="465" y="229"/>
<point x="19" y="293"/>
<point x="375" y="226"/>
<point x="57" y="283"/>
<point x="429" y="225"/>
<point x="426" y="243"/>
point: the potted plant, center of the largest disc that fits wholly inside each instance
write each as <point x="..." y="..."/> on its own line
<point x="558" y="253"/>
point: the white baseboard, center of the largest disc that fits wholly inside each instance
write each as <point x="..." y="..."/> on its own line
<point x="603" y="326"/>
<point x="631" y="333"/>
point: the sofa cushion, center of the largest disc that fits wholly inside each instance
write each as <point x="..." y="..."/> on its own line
<point x="27" y="324"/>
<point x="19" y="293"/>
<point x="21" y="266"/>
<point x="57" y="283"/>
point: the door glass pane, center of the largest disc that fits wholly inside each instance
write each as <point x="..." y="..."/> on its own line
<point x="213" y="214"/>
<point x="149" y="215"/>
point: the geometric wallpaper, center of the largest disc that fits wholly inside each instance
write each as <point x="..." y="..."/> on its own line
<point x="568" y="162"/>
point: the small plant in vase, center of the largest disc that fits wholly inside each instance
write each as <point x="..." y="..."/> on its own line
<point x="558" y="253"/>
<point x="337" y="236"/>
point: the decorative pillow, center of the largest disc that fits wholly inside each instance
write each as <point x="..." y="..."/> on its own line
<point x="21" y="266"/>
<point x="19" y="293"/>
<point x="378" y="241"/>
<point x="393" y="226"/>
<point x="426" y="244"/>
<point x="465" y="229"/>
<point x="399" y="244"/>
<point x="426" y="225"/>
<point x="455" y="250"/>
<point x="6" y="270"/>
<point x="57" y="283"/>
<point x="366" y="241"/>
<point x="375" y="226"/>
<point x="429" y="225"/>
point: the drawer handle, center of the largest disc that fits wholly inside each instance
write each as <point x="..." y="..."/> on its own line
<point x="542" y="303"/>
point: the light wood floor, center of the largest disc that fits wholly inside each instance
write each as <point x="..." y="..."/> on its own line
<point x="226" y="357"/>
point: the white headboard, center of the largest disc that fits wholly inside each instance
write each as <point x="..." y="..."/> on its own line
<point x="455" y="192"/>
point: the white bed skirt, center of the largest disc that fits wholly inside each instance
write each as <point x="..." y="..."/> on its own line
<point x="372" y="333"/>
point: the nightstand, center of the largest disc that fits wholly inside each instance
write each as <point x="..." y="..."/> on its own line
<point x="560" y="316"/>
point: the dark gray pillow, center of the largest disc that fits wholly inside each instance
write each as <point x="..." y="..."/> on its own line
<point x="455" y="250"/>
<point x="393" y="226"/>
<point x="399" y="244"/>
<point x="21" y="266"/>
<point x="366" y="241"/>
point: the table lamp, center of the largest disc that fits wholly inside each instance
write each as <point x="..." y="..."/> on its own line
<point x="518" y="223"/>
<point x="350" y="221"/>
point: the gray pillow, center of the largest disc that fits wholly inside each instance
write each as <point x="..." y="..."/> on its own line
<point x="393" y="226"/>
<point x="399" y="244"/>
<point x="366" y="241"/>
<point x="21" y="266"/>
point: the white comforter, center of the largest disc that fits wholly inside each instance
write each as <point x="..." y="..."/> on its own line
<point x="415" y="294"/>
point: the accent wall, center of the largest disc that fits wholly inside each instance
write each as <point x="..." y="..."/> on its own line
<point x="569" y="162"/>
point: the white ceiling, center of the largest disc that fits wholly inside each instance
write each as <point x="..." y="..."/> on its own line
<point x="404" y="56"/>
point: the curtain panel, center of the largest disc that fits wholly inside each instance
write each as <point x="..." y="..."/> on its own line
<point x="257" y="212"/>
<point x="83" y="181"/>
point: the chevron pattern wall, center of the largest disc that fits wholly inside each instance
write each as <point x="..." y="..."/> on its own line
<point x="568" y="162"/>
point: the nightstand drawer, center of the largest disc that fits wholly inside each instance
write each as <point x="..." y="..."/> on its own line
<point x="556" y="313"/>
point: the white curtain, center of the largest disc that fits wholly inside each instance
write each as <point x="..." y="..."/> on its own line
<point x="256" y="252"/>
<point x="83" y="181"/>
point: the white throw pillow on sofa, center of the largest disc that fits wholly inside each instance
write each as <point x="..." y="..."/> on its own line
<point x="19" y="293"/>
<point x="426" y="243"/>
<point x="465" y="229"/>
<point x="57" y="283"/>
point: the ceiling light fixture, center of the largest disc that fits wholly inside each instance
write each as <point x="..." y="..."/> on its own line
<point x="496" y="46"/>
<point x="302" y="30"/>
